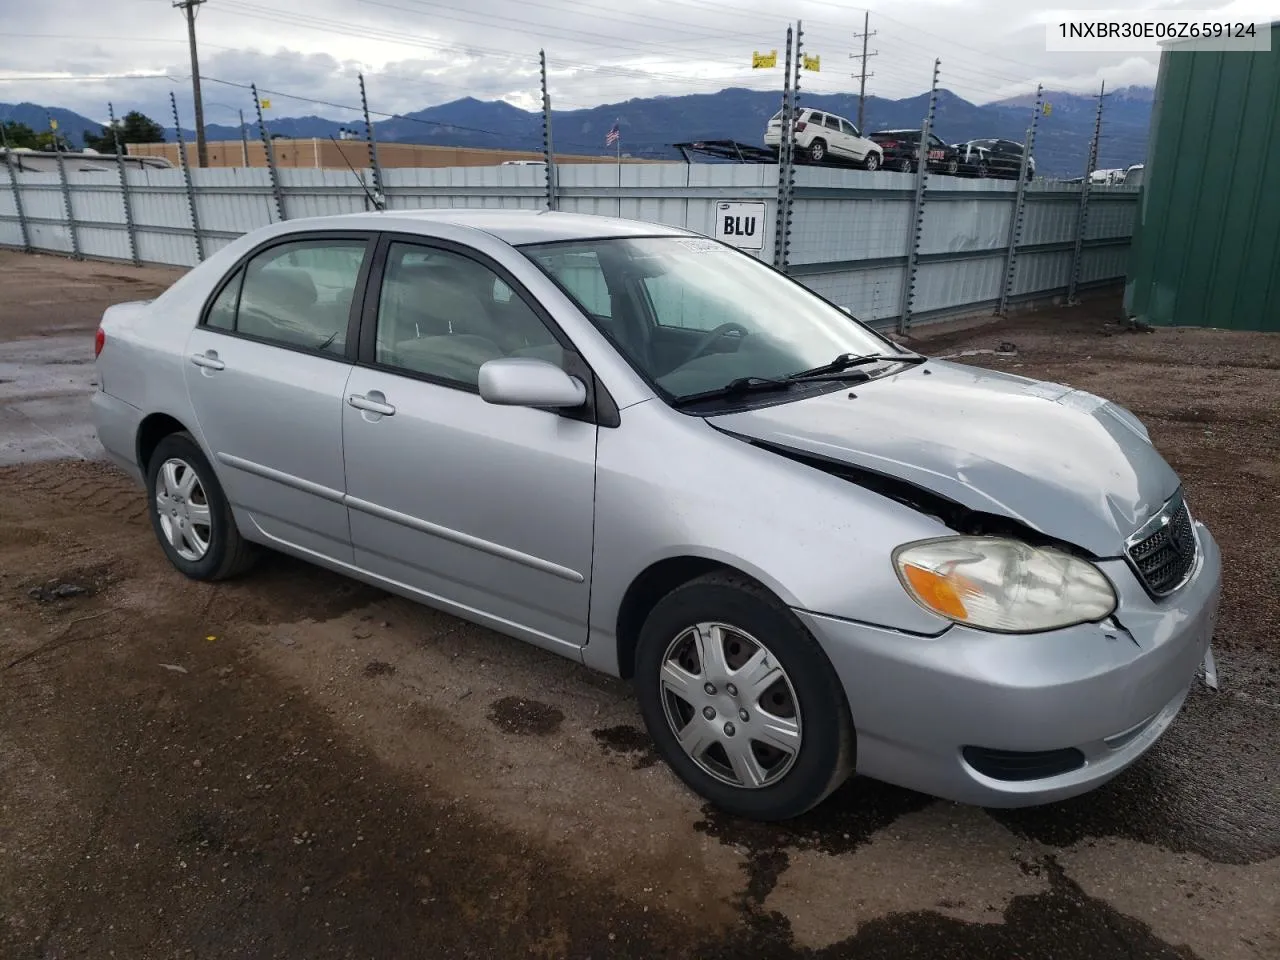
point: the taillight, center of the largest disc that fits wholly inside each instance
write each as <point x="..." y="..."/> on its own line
<point x="99" y="341"/>
<point x="800" y="125"/>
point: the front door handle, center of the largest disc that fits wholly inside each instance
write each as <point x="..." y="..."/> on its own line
<point x="209" y="360"/>
<point x="371" y="403"/>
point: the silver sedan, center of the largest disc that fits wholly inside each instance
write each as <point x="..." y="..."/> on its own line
<point x="814" y="551"/>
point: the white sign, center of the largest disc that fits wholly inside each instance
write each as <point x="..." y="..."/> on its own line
<point x="740" y="224"/>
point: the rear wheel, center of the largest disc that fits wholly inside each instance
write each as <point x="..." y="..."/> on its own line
<point x="871" y="161"/>
<point x="190" y="514"/>
<point x="741" y="701"/>
<point x="818" y="151"/>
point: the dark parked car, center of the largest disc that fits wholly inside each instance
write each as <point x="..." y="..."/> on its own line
<point x="902" y="151"/>
<point x="994" y="158"/>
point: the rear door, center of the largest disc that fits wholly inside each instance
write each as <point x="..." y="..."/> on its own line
<point x="837" y="142"/>
<point x="266" y="368"/>
<point x="481" y="509"/>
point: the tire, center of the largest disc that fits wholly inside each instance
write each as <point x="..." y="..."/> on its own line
<point x="905" y="165"/>
<point x="983" y="170"/>
<point x="180" y="478"/>
<point x="818" y="150"/>
<point x="805" y="703"/>
<point x="953" y="167"/>
<point x="871" y="161"/>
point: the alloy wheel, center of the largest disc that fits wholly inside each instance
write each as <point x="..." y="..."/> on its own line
<point x="183" y="509"/>
<point x="730" y="705"/>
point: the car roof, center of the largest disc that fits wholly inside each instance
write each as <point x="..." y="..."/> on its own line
<point x="511" y="226"/>
<point x="896" y="131"/>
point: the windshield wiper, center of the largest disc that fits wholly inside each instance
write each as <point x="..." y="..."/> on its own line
<point x="734" y="388"/>
<point x="847" y="360"/>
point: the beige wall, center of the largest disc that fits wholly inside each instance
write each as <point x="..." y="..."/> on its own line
<point x="338" y="155"/>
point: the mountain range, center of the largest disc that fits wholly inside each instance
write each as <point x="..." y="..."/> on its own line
<point x="650" y="125"/>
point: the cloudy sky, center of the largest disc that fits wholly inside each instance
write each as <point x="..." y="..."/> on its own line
<point x="416" y="53"/>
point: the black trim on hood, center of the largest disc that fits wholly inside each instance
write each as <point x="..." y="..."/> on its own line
<point x="955" y="515"/>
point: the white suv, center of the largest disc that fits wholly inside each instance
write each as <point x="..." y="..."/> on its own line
<point x="821" y="135"/>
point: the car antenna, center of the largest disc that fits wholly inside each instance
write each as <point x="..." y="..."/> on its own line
<point x="359" y="176"/>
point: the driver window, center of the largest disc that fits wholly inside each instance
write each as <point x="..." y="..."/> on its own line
<point x="833" y="123"/>
<point x="580" y="273"/>
<point x="443" y="315"/>
<point x="676" y="304"/>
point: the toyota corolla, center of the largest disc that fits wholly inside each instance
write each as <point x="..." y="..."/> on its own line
<point x="814" y="551"/>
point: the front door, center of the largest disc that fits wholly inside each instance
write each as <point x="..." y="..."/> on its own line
<point x="266" y="369"/>
<point x="483" y="510"/>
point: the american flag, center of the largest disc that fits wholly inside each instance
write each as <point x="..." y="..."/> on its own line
<point x="611" y="137"/>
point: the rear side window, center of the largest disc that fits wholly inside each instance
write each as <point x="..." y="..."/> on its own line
<point x="222" y="314"/>
<point x="296" y="294"/>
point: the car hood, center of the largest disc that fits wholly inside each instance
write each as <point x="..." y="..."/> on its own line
<point x="1063" y="462"/>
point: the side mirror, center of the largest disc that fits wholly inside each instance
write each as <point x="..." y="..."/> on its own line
<point x="527" y="382"/>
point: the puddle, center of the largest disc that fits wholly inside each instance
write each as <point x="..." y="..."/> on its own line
<point x="629" y="741"/>
<point x="525" y="717"/>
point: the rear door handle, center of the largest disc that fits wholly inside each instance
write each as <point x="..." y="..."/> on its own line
<point x="209" y="360"/>
<point x="371" y="404"/>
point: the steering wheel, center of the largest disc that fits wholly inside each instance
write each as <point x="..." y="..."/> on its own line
<point x="711" y="336"/>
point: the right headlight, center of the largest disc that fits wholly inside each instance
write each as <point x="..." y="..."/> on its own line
<point x="1005" y="585"/>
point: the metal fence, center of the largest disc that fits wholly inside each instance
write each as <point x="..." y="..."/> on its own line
<point x="852" y="233"/>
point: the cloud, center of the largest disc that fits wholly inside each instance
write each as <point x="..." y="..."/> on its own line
<point x="415" y="53"/>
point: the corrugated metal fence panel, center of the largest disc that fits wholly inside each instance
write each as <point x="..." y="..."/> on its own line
<point x="162" y="216"/>
<point x="1048" y="219"/>
<point x="950" y="285"/>
<point x="10" y="228"/>
<point x="850" y="238"/>
<point x="872" y="295"/>
<point x="1041" y="271"/>
<point x="233" y="200"/>
<point x="965" y="225"/>
<point x="1207" y="245"/>
<point x="1111" y="213"/>
<point x="836" y="230"/>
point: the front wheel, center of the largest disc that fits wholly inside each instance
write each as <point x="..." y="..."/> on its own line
<point x="190" y="514"/>
<point x="953" y="167"/>
<point x="741" y="701"/>
<point x="904" y="165"/>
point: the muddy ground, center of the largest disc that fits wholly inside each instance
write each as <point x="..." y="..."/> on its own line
<point x="295" y="765"/>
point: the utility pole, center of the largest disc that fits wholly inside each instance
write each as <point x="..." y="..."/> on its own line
<point x="864" y="36"/>
<point x="188" y="8"/>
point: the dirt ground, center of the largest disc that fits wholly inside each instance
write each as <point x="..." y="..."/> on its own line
<point x="296" y="765"/>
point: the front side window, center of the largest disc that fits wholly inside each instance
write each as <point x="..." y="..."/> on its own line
<point x="705" y="314"/>
<point x="848" y="128"/>
<point x="298" y="294"/>
<point x="443" y="315"/>
<point x="833" y="123"/>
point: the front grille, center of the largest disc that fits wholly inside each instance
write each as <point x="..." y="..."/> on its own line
<point x="1164" y="551"/>
<point x="1017" y="765"/>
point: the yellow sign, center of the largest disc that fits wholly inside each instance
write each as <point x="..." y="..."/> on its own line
<point x="266" y="104"/>
<point x="1048" y="109"/>
<point x="53" y="124"/>
<point x="813" y="63"/>
<point x="764" y="61"/>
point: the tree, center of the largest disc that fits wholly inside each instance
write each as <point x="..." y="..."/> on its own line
<point x="134" y="127"/>
<point x="20" y="135"/>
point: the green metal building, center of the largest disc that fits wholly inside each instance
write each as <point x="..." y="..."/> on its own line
<point x="1206" y="246"/>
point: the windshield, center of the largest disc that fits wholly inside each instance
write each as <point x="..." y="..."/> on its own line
<point x="692" y="315"/>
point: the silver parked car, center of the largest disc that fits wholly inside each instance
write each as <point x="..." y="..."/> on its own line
<point x="814" y="551"/>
